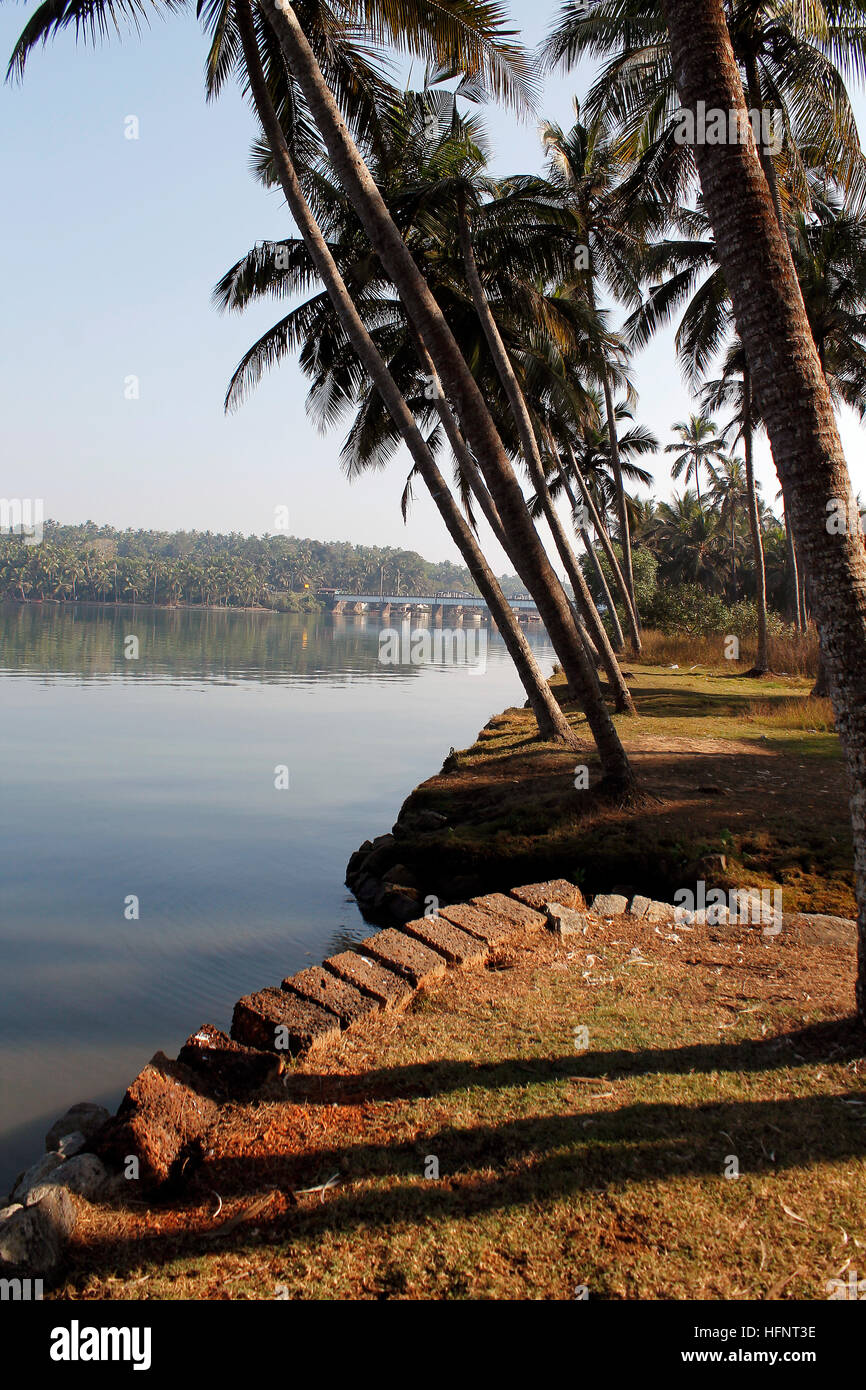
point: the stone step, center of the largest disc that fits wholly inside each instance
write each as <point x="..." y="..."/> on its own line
<point x="272" y="1017"/>
<point x="230" y="1068"/>
<point x="339" y="997"/>
<point x="517" y="913"/>
<point x="404" y="955"/>
<point x="456" y="945"/>
<point x="388" y="990"/>
<point x="555" y="890"/>
<point x="479" y="921"/>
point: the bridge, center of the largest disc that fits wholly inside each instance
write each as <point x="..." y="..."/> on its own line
<point x="457" y="607"/>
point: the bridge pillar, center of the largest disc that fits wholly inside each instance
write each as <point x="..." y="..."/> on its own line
<point x="438" y="611"/>
<point x="338" y="607"/>
<point x="458" y="617"/>
<point x="385" y="612"/>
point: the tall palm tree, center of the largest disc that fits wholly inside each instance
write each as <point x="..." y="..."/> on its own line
<point x="727" y="494"/>
<point x="698" y="447"/>
<point x="790" y="389"/>
<point x="588" y="172"/>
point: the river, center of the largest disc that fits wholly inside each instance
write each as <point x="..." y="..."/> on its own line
<point x="154" y="784"/>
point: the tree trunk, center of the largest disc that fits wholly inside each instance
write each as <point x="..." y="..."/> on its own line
<point x="762" y="660"/>
<point x="462" y="389"/>
<point x="793" y="577"/>
<point x="552" y="723"/>
<point x="606" y="545"/>
<point x="618" y="637"/>
<point x="532" y="455"/>
<point x="790" y="390"/>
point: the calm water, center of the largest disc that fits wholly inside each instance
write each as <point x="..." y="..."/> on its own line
<point x="155" y="777"/>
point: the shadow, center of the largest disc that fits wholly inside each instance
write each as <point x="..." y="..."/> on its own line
<point x="523" y="1160"/>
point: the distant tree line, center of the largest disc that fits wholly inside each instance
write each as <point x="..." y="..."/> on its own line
<point x="90" y="563"/>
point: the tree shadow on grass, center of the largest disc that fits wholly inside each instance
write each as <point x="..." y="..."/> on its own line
<point x="523" y="1160"/>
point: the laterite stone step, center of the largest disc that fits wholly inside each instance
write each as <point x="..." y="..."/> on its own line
<point x="517" y="913"/>
<point x="257" y="1017"/>
<point x="389" y="991"/>
<point x="338" y="996"/>
<point x="456" y="945"/>
<point x="478" y="921"/>
<point x="405" y="955"/>
<point x="556" y="890"/>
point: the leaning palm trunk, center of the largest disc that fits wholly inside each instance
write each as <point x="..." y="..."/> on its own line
<point x="790" y="390"/>
<point x="460" y="385"/>
<point x="552" y="723"/>
<point x="793" y="576"/>
<point x="618" y="640"/>
<point x="607" y="547"/>
<point x="529" y="445"/>
<point x="762" y="660"/>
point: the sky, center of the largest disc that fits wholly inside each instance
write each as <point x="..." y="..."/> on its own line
<point x="115" y="362"/>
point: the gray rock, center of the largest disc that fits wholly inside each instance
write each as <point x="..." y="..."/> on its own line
<point x="639" y="907"/>
<point x="72" y="1144"/>
<point x="85" y="1118"/>
<point x="32" y="1176"/>
<point x="609" y="905"/>
<point x="819" y="929"/>
<point x="659" y="912"/>
<point x="85" y="1175"/>
<point x="32" y="1239"/>
<point x="566" y="921"/>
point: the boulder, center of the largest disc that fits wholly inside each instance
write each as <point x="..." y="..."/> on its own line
<point x="163" y="1121"/>
<point x="71" y="1144"/>
<point x="609" y="905"/>
<point x="85" y="1118"/>
<point x="34" y="1175"/>
<point x="32" y="1239"/>
<point x="85" y="1175"/>
<point x="565" y="921"/>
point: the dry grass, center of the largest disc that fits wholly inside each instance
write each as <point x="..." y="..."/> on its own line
<point x="790" y="655"/>
<point x="556" y="1168"/>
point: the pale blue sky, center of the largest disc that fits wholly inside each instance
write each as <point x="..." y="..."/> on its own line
<point x="112" y="247"/>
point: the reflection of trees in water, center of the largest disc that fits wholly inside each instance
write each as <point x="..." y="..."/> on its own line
<point x="88" y="641"/>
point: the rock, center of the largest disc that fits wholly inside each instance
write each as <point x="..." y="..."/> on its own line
<point x="639" y="906"/>
<point x="34" y="1175"/>
<point x="555" y="890"/>
<point x="478" y="921"/>
<point x="227" y="1067"/>
<point x="383" y="842"/>
<point x="651" y="910"/>
<point x="71" y="1144"/>
<point x="32" y="1239"/>
<point x="356" y="861"/>
<point x="344" y="1000"/>
<point x="85" y="1117"/>
<point x="397" y="904"/>
<point x="278" y="1021"/>
<point x="389" y="990"/>
<point x="609" y="905"/>
<point x="428" y="821"/>
<point x="517" y="913"/>
<point x="6" y="1212"/>
<point x="401" y="876"/>
<point x="85" y="1175"/>
<point x="818" y="929"/>
<point x="405" y="956"/>
<point x="163" y="1121"/>
<point x="565" y="921"/>
<point x="456" y="945"/>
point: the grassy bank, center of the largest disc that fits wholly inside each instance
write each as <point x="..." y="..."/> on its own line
<point x="609" y="1169"/>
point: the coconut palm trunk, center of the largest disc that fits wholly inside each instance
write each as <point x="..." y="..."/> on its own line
<point x="460" y="385"/>
<point x="793" y="575"/>
<point x="618" y="640"/>
<point x="552" y="723"/>
<point x="762" y="660"/>
<point x="607" y="546"/>
<point x="790" y="390"/>
<point x="532" y="456"/>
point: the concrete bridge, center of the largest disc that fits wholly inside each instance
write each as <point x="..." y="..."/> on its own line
<point x="437" y="607"/>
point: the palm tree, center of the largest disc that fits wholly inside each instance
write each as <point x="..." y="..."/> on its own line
<point x="790" y="389"/>
<point x="691" y="542"/>
<point x="699" y="446"/>
<point x="588" y="172"/>
<point x="728" y="495"/>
